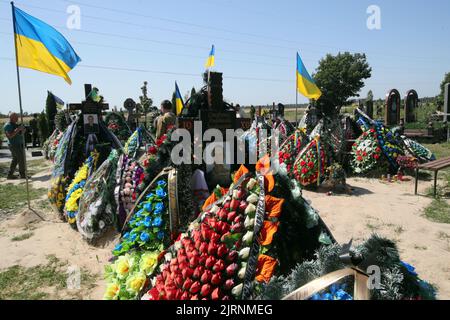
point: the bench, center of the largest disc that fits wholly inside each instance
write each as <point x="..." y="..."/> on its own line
<point x="434" y="166"/>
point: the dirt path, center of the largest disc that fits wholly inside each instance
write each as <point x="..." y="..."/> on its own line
<point x="393" y="211"/>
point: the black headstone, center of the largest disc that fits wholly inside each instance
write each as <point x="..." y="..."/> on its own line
<point x="411" y="104"/>
<point x="392" y="116"/>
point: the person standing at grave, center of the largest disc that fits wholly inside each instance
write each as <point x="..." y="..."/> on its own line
<point x="15" y="133"/>
<point x="35" y="130"/>
<point x="166" y="120"/>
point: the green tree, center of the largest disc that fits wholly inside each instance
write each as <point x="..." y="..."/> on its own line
<point x="193" y="92"/>
<point x="340" y="77"/>
<point x="440" y="97"/>
<point x="43" y="126"/>
<point x="51" y="111"/>
<point x="370" y="95"/>
<point x="174" y="102"/>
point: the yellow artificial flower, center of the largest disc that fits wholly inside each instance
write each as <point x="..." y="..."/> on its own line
<point x="112" y="291"/>
<point x="136" y="282"/>
<point x="123" y="266"/>
<point x="148" y="263"/>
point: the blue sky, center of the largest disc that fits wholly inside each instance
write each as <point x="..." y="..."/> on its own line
<point x="256" y="43"/>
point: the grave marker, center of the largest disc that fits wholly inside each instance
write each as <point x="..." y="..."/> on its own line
<point x="392" y="107"/>
<point x="411" y="104"/>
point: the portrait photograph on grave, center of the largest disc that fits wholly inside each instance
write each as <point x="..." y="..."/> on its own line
<point x="256" y="154"/>
<point x="91" y="124"/>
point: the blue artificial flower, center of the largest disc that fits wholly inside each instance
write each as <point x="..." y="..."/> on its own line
<point x="148" y="222"/>
<point x="157" y="222"/>
<point x="160" y="235"/>
<point x="151" y="195"/>
<point x="161" y="183"/>
<point x="410" y="268"/>
<point x="118" y="247"/>
<point x="159" y="208"/>
<point x="126" y="236"/>
<point x="133" y="237"/>
<point x="82" y="184"/>
<point x="145" y="237"/>
<point x="327" y="296"/>
<point x="161" y="193"/>
<point x="342" y="295"/>
<point x="148" y="207"/>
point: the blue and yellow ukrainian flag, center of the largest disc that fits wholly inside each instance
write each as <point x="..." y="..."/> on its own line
<point x="305" y="84"/>
<point x="42" y="48"/>
<point x="178" y="100"/>
<point x="211" y="59"/>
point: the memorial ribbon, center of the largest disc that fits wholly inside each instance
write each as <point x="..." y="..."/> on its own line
<point x="254" y="250"/>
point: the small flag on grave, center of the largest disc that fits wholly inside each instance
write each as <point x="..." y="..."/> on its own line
<point x="179" y="100"/>
<point x="305" y="84"/>
<point x="211" y="59"/>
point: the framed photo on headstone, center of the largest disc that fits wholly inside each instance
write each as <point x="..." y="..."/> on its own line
<point x="91" y="124"/>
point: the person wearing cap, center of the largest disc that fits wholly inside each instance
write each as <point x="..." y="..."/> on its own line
<point x="166" y="120"/>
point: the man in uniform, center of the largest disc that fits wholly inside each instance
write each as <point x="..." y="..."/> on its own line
<point x="166" y="120"/>
<point x="14" y="133"/>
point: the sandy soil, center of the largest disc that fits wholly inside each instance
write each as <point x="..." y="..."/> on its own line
<point x="390" y="210"/>
<point x="52" y="237"/>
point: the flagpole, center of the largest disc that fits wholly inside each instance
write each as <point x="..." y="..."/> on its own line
<point x="21" y="112"/>
<point x="20" y="103"/>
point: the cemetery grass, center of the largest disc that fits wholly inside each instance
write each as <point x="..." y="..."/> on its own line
<point x="34" y="167"/>
<point x="14" y="197"/>
<point x="45" y="281"/>
<point x="439" y="210"/>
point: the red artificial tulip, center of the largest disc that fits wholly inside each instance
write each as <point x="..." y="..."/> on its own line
<point x="243" y="205"/>
<point x="187" y="284"/>
<point x="231" y="216"/>
<point x="222" y="214"/>
<point x="185" y="296"/>
<point x="215" y="237"/>
<point x="216" y="279"/>
<point x="193" y="263"/>
<point x="232" y="269"/>
<point x="206" y="276"/>
<point x="234" y="205"/>
<point x="215" y="295"/>
<point x="204" y="247"/>
<point x="203" y="258"/>
<point x="222" y="250"/>
<point x="219" y="266"/>
<point x="195" y="288"/>
<point x="229" y="284"/>
<point x="205" y="290"/>
<point x="187" y="273"/>
<point x="212" y="248"/>
<point x="210" y="262"/>
<point x="232" y="256"/>
<point x="227" y="205"/>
